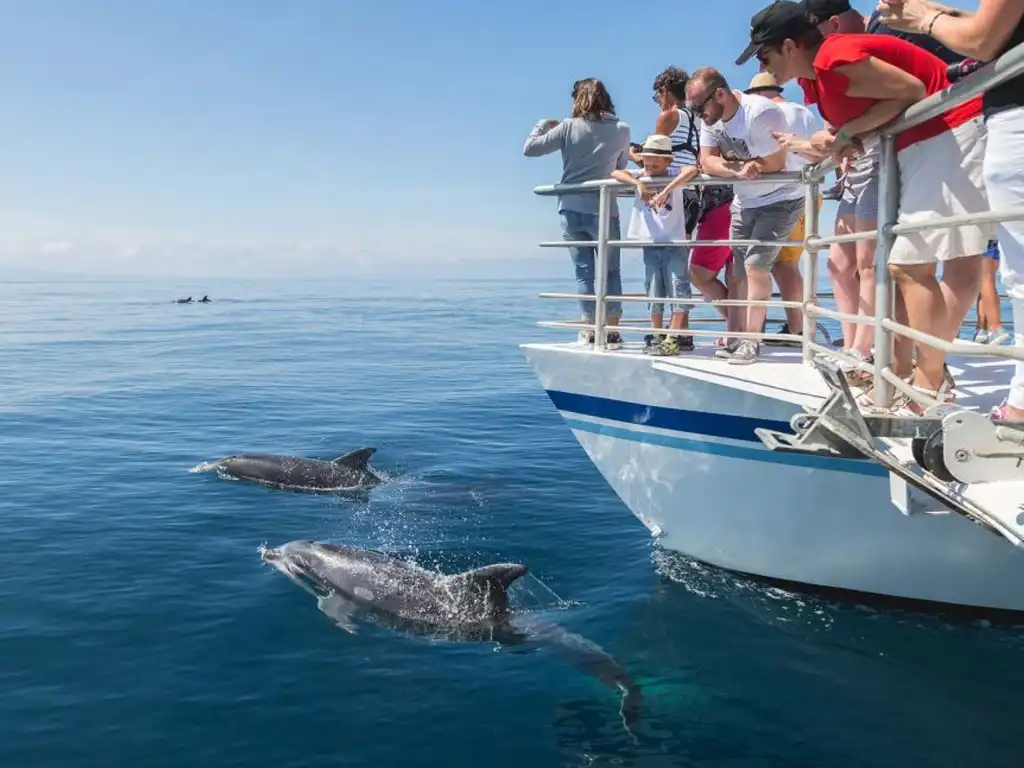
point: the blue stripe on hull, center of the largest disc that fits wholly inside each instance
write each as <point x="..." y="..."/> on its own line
<point x="807" y="461"/>
<point x="695" y="423"/>
<point x="676" y="419"/>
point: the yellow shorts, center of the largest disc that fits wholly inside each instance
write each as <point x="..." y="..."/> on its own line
<point x="794" y="252"/>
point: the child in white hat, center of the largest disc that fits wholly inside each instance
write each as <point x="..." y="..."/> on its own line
<point x="667" y="268"/>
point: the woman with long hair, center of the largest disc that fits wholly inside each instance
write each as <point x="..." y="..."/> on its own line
<point x="593" y="143"/>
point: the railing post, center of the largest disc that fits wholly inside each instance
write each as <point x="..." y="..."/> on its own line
<point x="604" y="221"/>
<point x="888" y="210"/>
<point x="811" y="270"/>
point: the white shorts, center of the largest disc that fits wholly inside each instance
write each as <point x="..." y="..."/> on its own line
<point x="943" y="176"/>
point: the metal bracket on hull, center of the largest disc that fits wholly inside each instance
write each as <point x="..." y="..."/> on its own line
<point x="951" y="448"/>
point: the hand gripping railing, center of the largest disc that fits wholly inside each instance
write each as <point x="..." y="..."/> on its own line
<point x="1005" y="68"/>
<point x="608" y="189"/>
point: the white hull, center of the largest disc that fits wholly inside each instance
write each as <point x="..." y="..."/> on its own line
<point x="674" y="439"/>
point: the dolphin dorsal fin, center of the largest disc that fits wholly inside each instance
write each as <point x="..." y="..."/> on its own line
<point x="357" y="459"/>
<point x="501" y="575"/>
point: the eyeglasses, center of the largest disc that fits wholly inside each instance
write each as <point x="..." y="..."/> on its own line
<point x="656" y="98"/>
<point x="698" y="109"/>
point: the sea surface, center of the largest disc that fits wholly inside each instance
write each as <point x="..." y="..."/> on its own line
<point x="139" y="627"/>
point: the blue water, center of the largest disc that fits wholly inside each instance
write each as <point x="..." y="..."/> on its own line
<point x="139" y="627"/>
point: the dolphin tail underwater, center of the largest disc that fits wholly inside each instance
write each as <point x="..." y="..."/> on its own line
<point x="591" y="659"/>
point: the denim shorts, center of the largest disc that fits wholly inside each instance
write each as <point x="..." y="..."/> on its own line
<point x="667" y="275"/>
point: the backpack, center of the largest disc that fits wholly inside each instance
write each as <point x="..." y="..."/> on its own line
<point x="708" y="196"/>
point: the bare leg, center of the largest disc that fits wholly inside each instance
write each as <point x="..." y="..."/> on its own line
<point x="759" y="288"/>
<point x="710" y="287"/>
<point x="864" y="336"/>
<point x="736" y="287"/>
<point x="961" y="279"/>
<point x="791" y="288"/>
<point x="988" y="302"/>
<point x="936" y="309"/>
<point x="842" y="266"/>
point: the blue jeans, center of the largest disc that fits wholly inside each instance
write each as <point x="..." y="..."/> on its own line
<point x="583" y="226"/>
<point x="667" y="275"/>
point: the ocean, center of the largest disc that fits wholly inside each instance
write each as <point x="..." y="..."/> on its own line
<point x="139" y="627"/>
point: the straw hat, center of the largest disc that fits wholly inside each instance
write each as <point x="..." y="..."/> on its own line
<point x="656" y="145"/>
<point x="763" y="81"/>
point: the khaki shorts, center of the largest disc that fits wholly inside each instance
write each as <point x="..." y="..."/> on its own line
<point x="943" y="176"/>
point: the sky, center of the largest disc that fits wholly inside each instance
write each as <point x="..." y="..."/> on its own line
<point x="267" y="138"/>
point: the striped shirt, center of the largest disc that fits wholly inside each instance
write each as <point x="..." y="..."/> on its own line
<point x="685" y="142"/>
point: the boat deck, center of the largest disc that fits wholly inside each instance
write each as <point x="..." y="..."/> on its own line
<point x="780" y="373"/>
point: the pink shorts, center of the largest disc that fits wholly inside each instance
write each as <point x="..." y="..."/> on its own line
<point x="715" y="226"/>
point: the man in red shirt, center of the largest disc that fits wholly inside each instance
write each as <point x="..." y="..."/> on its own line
<point x="861" y="83"/>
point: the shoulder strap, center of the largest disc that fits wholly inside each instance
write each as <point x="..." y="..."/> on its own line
<point x="690" y="130"/>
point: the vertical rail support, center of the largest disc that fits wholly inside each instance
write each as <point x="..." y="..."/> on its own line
<point x="604" y="222"/>
<point x="888" y="210"/>
<point x="811" y="212"/>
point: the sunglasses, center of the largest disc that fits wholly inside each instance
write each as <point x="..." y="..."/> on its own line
<point x="698" y="109"/>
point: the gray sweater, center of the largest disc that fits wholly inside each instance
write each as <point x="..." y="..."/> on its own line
<point x="591" y="149"/>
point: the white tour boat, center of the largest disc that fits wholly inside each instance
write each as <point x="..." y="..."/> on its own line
<point x="774" y="469"/>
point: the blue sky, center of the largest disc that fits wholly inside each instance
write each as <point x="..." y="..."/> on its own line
<point x="309" y="137"/>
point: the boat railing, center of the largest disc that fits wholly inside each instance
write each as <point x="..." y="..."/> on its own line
<point x="1006" y="67"/>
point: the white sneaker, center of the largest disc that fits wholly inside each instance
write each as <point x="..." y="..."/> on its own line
<point x="585" y="339"/>
<point x="745" y="354"/>
<point x="981" y="337"/>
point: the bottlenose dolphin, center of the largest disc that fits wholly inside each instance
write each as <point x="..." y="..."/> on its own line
<point x="205" y="300"/>
<point x="462" y="607"/>
<point x="183" y="301"/>
<point x="345" y="473"/>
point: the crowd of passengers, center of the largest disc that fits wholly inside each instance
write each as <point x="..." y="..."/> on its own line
<point x="861" y="74"/>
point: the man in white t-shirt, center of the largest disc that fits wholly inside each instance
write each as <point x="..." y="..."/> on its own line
<point x="737" y="142"/>
<point x="802" y="124"/>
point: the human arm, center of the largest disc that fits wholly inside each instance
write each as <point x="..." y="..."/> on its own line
<point x="546" y="137"/>
<point x="684" y="177"/>
<point x="633" y="178"/>
<point x="891" y="89"/>
<point x="793" y="143"/>
<point x="982" y="35"/>
<point x="667" y="122"/>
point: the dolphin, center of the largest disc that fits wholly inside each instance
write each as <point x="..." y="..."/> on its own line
<point x="471" y="606"/>
<point x="183" y="301"/>
<point x="205" y="300"/>
<point x="346" y="473"/>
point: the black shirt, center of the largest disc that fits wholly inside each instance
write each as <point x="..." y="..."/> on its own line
<point x="1011" y="94"/>
<point x="929" y="43"/>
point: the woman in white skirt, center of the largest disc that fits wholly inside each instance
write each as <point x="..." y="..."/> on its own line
<point x="996" y="27"/>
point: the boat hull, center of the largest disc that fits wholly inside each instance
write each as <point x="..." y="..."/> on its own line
<point x="675" y="441"/>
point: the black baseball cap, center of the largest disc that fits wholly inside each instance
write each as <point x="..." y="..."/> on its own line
<point x="819" y="10"/>
<point x="780" y="21"/>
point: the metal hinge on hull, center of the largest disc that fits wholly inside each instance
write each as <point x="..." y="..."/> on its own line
<point x="949" y="460"/>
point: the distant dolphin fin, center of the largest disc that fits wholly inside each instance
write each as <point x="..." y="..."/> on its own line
<point x="357" y="459"/>
<point x="501" y="575"/>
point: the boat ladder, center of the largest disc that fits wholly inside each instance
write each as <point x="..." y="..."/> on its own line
<point x="948" y="460"/>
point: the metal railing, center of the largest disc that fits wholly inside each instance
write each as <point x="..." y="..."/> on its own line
<point x="1007" y="67"/>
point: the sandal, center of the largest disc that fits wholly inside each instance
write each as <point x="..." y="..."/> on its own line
<point x="858" y="377"/>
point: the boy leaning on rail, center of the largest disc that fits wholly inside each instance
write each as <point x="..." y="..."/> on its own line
<point x="663" y="218"/>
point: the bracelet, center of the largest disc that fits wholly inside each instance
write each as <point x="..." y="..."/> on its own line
<point x="932" y="22"/>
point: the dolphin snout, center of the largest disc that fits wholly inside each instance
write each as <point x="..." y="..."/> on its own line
<point x="269" y="555"/>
